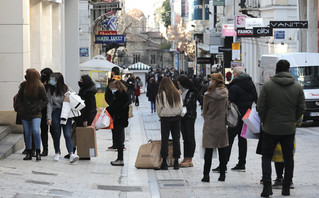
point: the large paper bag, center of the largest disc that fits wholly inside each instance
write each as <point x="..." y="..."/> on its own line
<point x="149" y="155"/>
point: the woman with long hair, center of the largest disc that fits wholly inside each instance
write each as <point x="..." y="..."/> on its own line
<point x="169" y="106"/>
<point x="214" y="130"/>
<point x="32" y="99"/>
<point x="137" y="86"/>
<point x="152" y="89"/>
<point x="118" y="110"/>
<point x="54" y="109"/>
<point x="189" y="96"/>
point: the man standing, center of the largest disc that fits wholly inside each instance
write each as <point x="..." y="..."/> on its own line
<point x="242" y="92"/>
<point x="281" y="103"/>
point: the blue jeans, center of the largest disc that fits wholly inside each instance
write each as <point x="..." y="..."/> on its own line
<point x="56" y="132"/>
<point x="32" y="127"/>
<point x="153" y="106"/>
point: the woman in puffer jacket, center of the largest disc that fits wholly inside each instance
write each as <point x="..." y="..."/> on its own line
<point x="54" y="109"/>
<point x="169" y="106"/>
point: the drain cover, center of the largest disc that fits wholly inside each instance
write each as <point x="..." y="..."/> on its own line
<point x="39" y="182"/>
<point x="43" y="173"/>
<point x="60" y="192"/>
<point x="172" y="183"/>
<point x="120" y="188"/>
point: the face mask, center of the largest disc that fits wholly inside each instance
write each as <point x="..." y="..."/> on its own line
<point x="114" y="90"/>
<point x="210" y="83"/>
<point x="52" y="81"/>
<point x="80" y="83"/>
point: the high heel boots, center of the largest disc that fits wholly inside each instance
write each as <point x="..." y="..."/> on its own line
<point x="38" y="155"/>
<point x="29" y="155"/>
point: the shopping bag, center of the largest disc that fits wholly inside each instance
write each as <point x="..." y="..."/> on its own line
<point x="86" y="142"/>
<point x="252" y="120"/>
<point x="130" y="111"/>
<point x="98" y="116"/>
<point x="247" y="133"/>
<point x="149" y="155"/>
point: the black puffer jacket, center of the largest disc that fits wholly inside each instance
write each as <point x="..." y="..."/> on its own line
<point x="89" y="111"/>
<point x="118" y="109"/>
<point x="190" y="103"/>
<point x="242" y="92"/>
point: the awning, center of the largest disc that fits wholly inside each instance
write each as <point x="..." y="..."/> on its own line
<point x="139" y="66"/>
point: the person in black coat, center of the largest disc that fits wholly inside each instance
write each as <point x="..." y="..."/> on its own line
<point x="87" y="93"/>
<point x="118" y="110"/>
<point x="189" y="96"/>
<point x="109" y="98"/>
<point x="242" y="92"/>
<point x="152" y="89"/>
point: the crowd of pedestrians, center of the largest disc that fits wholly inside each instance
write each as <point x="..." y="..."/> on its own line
<point x="174" y="98"/>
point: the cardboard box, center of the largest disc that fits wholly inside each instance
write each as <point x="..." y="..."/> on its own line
<point x="86" y="142"/>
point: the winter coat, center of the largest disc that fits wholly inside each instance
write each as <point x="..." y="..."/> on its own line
<point x="190" y="103"/>
<point x="164" y="110"/>
<point x="137" y="86"/>
<point x="152" y="89"/>
<point x="89" y="111"/>
<point x="109" y="97"/>
<point x="118" y="109"/>
<point x="281" y="103"/>
<point x="214" y="110"/>
<point x="29" y="107"/>
<point x="242" y="92"/>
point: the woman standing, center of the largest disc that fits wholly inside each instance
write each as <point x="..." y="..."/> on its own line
<point x="54" y="109"/>
<point x="137" y="87"/>
<point x="214" y="131"/>
<point x="87" y="93"/>
<point x="169" y="106"/>
<point x="152" y="89"/>
<point x="118" y="110"/>
<point x="189" y="96"/>
<point x="31" y="101"/>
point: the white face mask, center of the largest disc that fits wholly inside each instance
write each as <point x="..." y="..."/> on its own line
<point x="114" y="90"/>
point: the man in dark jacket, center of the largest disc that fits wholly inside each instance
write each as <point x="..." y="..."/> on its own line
<point x="109" y="98"/>
<point x="281" y="103"/>
<point x="242" y="92"/>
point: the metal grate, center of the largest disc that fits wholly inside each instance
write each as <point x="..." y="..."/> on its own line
<point x="44" y="173"/>
<point x="120" y="188"/>
<point x="172" y="183"/>
<point x="60" y="192"/>
<point x="39" y="182"/>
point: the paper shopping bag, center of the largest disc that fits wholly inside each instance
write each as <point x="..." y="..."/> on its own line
<point x="247" y="133"/>
<point x="252" y="120"/>
<point x="149" y="155"/>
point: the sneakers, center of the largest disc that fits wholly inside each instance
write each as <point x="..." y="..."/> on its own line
<point x="117" y="163"/>
<point x="111" y="148"/>
<point x="74" y="158"/>
<point x="56" y="157"/>
<point x="239" y="168"/>
<point x="277" y="183"/>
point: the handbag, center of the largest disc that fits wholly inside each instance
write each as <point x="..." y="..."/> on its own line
<point x="232" y="114"/>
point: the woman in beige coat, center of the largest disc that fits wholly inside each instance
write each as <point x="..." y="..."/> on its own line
<point x="214" y="131"/>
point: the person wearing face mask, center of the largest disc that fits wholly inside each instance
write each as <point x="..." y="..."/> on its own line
<point x="45" y="78"/>
<point x="118" y="110"/>
<point x="189" y="95"/>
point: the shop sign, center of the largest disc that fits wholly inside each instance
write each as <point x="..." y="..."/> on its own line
<point x="110" y="32"/>
<point x="101" y="39"/>
<point x="250" y="23"/>
<point x="84" y="52"/>
<point x="262" y="31"/>
<point x="240" y="21"/>
<point x="242" y="32"/>
<point x="288" y="24"/>
<point x="204" y="60"/>
<point x="279" y="34"/>
<point x="219" y="3"/>
<point x="228" y="30"/>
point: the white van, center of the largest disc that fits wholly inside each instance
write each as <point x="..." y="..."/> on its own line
<point x="305" y="68"/>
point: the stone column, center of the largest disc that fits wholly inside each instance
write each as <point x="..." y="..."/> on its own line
<point x="312" y="33"/>
<point x="14" y="48"/>
<point x="36" y="34"/>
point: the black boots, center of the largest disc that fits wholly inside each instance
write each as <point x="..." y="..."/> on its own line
<point x="164" y="165"/>
<point x="222" y="176"/>
<point x="176" y="164"/>
<point x="205" y="178"/>
<point x="286" y="188"/>
<point x="44" y="152"/>
<point x="37" y="155"/>
<point x="267" y="190"/>
<point x="29" y="155"/>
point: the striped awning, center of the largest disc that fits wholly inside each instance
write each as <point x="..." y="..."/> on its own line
<point x="139" y="66"/>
